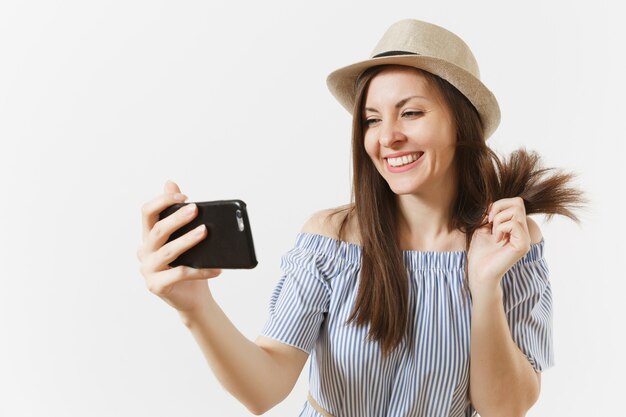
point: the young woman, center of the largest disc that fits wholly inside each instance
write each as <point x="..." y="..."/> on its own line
<point x="428" y="295"/>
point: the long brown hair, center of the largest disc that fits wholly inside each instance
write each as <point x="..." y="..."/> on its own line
<point x="382" y="297"/>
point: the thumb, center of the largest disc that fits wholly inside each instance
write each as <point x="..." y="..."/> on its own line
<point x="171" y="187"/>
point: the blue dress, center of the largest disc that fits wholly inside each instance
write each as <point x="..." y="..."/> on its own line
<point x="428" y="375"/>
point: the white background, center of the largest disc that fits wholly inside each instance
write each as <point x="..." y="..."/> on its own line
<point x="102" y="102"/>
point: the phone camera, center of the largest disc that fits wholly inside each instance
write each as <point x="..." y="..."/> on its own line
<point x="240" y="220"/>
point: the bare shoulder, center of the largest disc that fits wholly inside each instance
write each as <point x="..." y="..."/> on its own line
<point x="328" y="222"/>
<point x="534" y="231"/>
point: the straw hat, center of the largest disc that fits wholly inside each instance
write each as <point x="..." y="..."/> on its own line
<point x="431" y="48"/>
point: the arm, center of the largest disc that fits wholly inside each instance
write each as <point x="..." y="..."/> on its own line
<point x="259" y="374"/>
<point x="502" y="380"/>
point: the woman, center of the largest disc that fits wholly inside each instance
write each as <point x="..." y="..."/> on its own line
<point x="428" y="295"/>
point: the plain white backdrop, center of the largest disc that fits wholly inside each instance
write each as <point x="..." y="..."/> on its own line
<point x="102" y="101"/>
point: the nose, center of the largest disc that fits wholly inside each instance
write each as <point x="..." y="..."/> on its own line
<point x="390" y="135"/>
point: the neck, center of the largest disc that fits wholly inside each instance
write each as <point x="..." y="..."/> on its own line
<point x="424" y="221"/>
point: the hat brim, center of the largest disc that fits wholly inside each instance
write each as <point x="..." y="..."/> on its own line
<point x="342" y="84"/>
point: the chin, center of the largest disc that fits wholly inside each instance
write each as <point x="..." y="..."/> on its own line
<point x="403" y="189"/>
<point x="403" y="192"/>
<point x="401" y="185"/>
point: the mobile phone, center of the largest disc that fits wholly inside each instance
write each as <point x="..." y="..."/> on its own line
<point x="229" y="242"/>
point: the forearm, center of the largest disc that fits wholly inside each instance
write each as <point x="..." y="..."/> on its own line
<point x="250" y="373"/>
<point x="502" y="381"/>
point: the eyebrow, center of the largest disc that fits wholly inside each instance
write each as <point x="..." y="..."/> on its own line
<point x="399" y="103"/>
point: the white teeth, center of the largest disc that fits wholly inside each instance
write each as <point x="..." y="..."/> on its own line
<point x="403" y="160"/>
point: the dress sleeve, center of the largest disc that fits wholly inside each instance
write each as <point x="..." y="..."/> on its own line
<point x="299" y="302"/>
<point x="528" y="305"/>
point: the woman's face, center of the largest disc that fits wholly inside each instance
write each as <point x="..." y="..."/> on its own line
<point x="408" y="132"/>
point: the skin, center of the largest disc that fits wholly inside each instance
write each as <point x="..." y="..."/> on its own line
<point x="262" y="373"/>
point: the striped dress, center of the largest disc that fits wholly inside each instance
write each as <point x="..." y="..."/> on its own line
<point x="428" y="375"/>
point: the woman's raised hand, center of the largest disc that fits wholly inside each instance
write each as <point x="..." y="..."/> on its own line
<point x="182" y="287"/>
<point x="499" y="244"/>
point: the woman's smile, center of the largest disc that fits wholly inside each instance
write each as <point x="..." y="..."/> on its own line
<point x="403" y="162"/>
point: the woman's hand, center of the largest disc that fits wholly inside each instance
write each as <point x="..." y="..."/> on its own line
<point x="259" y="376"/>
<point x="183" y="288"/>
<point x="496" y="247"/>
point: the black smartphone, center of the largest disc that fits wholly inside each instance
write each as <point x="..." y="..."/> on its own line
<point x="229" y="242"/>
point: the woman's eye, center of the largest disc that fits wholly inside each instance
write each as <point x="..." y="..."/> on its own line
<point x="412" y="113"/>
<point x="369" y="122"/>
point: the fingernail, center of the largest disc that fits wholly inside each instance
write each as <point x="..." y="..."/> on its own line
<point x="189" y="208"/>
<point x="199" y="230"/>
<point x="179" y="197"/>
